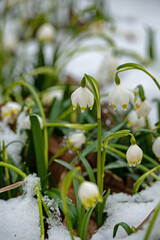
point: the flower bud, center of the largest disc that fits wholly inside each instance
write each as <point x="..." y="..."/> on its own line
<point x="82" y="97"/>
<point x="156" y="147"/>
<point x="120" y="95"/>
<point x="88" y="194"/>
<point x="46" y="33"/>
<point x="134" y="155"/>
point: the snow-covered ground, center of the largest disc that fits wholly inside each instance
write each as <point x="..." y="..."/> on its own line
<point x="19" y="217"/>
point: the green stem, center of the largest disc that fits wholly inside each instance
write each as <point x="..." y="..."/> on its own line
<point x="99" y="163"/>
<point x="22" y="174"/>
<point x="131" y="66"/>
<point x="152" y="222"/>
<point x="72" y="125"/>
<point x="40" y="211"/>
<point x="5" y="158"/>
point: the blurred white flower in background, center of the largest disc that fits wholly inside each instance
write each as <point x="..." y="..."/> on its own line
<point x="156" y="147"/>
<point x="10" y="111"/>
<point x="27" y="122"/>
<point x="10" y="42"/>
<point x="143" y="108"/>
<point x="82" y="96"/>
<point x="107" y="70"/>
<point x="120" y="95"/>
<point x="50" y="95"/>
<point x="46" y="33"/>
<point x="76" y="139"/>
<point x="133" y="120"/>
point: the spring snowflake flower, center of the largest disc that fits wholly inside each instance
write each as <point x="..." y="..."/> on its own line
<point x="88" y="194"/>
<point x="134" y="155"/>
<point x="133" y="120"/>
<point x="47" y="97"/>
<point x="27" y="122"/>
<point x="82" y="97"/>
<point x="46" y="33"/>
<point x="10" y="111"/>
<point x="156" y="147"/>
<point x="76" y="139"/>
<point x="120" y="95"/>
<point x="143" y="108"/>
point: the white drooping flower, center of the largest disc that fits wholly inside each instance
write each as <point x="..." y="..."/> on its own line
<point x="47" y="97"/>
<point x="10" y="111"/>
<point x="82" y="96"/>
<point x="143" y="108"/>
<point x="46" y="33"/>
<point x="120" y="95"/>
<point x="134" y="155"/>
<point x="133" y="120"/>
<point x="10" y="43"/>
<point x="156" y="147"/>
<point x="76" y="139"/>
<point x="27" y="122"/>
<point x="88" y="194"/>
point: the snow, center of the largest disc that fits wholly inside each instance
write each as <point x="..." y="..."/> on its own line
<point x="131" y="210"/>
<point x="17" y="139"/>
<point x="19" y="217"/>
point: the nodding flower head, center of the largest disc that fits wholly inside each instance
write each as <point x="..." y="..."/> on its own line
<point x="134" y="121"/>
<point x="10" y="111"/>
<point x="120" y="95"/>
<point x="134" y="155"/>
<point x="46" y="33"/>
<point x="76" y="139"/>
<point x="88" y="194"/>
<point x="156" y="147"/>
<point x="143" y="108"/>
<point x="83" y="97"/>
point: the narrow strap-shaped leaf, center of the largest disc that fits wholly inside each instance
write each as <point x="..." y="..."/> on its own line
<point x="88" y="167"/>
<point x="65" y="164"/>
<point x="142" y="178"/>
<point x="38" y="146"/>
<point x="84" y="227"/>
<point x="125" y="226"/>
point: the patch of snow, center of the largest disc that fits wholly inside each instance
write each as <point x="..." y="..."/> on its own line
<point x="131" y="210"/>
<point x="15" y="148"/>
<point x="19" y="217"/>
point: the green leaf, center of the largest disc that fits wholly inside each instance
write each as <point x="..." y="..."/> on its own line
<point x="125" y="226"/>
<point x="142" y="178"/>
<point x="85" y="222"/>
<point x="65" y="164"/>
<point x="88" y="167"/>
<point x="66" y="183"/>
<point x="38" y="146"/>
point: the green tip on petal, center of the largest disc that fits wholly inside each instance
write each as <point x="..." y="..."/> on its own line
<point x="114" y="106"/>
<point x="83" y="109"/>
<point x="134" y="100"/>
<point x="91" y="107"/>
<point x="74" y="108"/>
<point x="124" y="106"/>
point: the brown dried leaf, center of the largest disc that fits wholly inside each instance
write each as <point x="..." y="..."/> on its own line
<point x="12" y="186"/>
